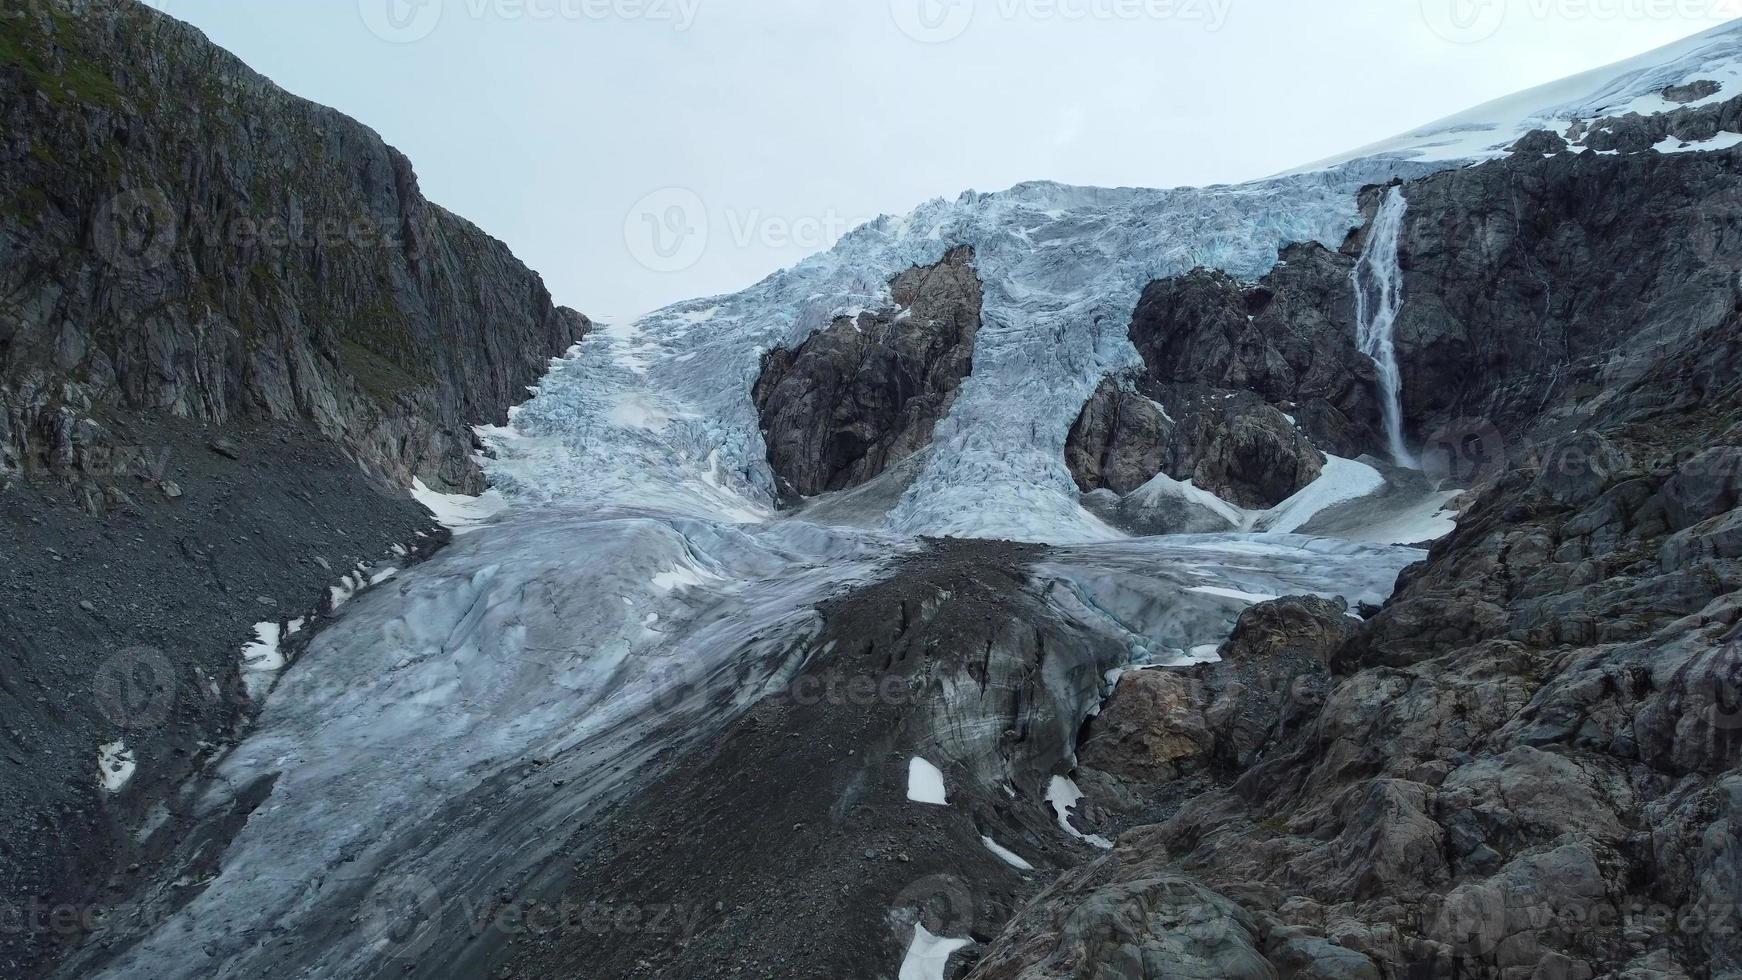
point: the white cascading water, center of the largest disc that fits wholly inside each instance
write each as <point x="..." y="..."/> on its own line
<point x="1378" y="299"/>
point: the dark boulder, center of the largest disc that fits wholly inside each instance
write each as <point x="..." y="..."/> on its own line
<point x="866" y="392"/>
<point x="1119" y="441"/>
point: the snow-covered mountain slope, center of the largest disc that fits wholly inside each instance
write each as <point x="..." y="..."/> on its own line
<point x="660" y="410"/>
<point x="1634" y="85"/>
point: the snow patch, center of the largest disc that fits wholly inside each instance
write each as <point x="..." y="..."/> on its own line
<point x="1064" y="796"/>
<point x="1006" y="855"/>
<point x="1428" y="520"/>
<point x="925" y="783"/>
<point x="1165" y="488"/>
<point x="1723" y="141"/>
<point x="263" y="660"/>
<point x="458" y="512"/>
<point x="1342" y="481"/>
<point x="1235" y="594"/>
<point x="928" y="955"/>
<point x="115" y="766"/>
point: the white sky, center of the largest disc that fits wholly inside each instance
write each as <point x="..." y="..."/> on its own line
<point x="773" y="126"/>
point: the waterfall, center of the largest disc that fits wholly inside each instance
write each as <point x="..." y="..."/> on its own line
<point x="1378" y="299"/>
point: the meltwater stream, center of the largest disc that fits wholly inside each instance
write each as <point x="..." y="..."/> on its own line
<point x="1378" y="280"/>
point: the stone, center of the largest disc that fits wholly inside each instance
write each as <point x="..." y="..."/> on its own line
<point x="1152" y="729"/>
<point x="865" y="393"/>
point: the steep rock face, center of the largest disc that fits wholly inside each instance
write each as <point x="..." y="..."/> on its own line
<point x="1164" y="725"/>
<point x="1526" y="764"/>
<point x="1257" y="383"/>
<point x="1290" y="338"/>
<point x="866" y="392"/>
<point x="1120" y="440"/>
<point x="1588" y="265"/>
<point x="232" y="331"/>
<point x="956" y="657"/>
<point x="179" y="235"/>
<point x="1239" y="448"/>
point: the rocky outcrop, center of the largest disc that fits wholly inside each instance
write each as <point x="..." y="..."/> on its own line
<point x="1593" y="269"/>
<point x="1693" y="91"/>
<point x="866" y="392"/>
<point x="1165" y="724"/>
<point x="178" y="235"/>
<point x="1289" y="339"/>
<point x="1242" y="450"/>
<point x="1229" y="443"/>
<point x="1244" y="387"/>
<point x="232" y="332"/>
<point x="1526" y="764"/>
<point x="1120" y="440"/>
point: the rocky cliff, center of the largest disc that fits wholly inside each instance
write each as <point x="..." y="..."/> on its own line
<point x="232" y="332"/>
<point x="178" y="235"/>
<point x="1243" y="388"/>
<point x="866" y="392"/>
<point x="1524" y="765"/>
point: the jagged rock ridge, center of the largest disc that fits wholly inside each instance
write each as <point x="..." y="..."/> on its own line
<point x="1526" y="763"/>
<point x="867" y="391"/>
<point x="163" y="247"/>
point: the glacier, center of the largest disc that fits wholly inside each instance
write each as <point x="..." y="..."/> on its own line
<point x="1062" y="269"/>
<point x="631" y="587"/>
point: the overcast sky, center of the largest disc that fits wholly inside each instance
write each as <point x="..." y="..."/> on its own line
<point x="575" y="130"/>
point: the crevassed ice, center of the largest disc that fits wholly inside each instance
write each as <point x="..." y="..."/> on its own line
<point x="658" y="414"/>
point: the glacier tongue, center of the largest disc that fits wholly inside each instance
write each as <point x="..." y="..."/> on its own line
<point x="659" y="412"/>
